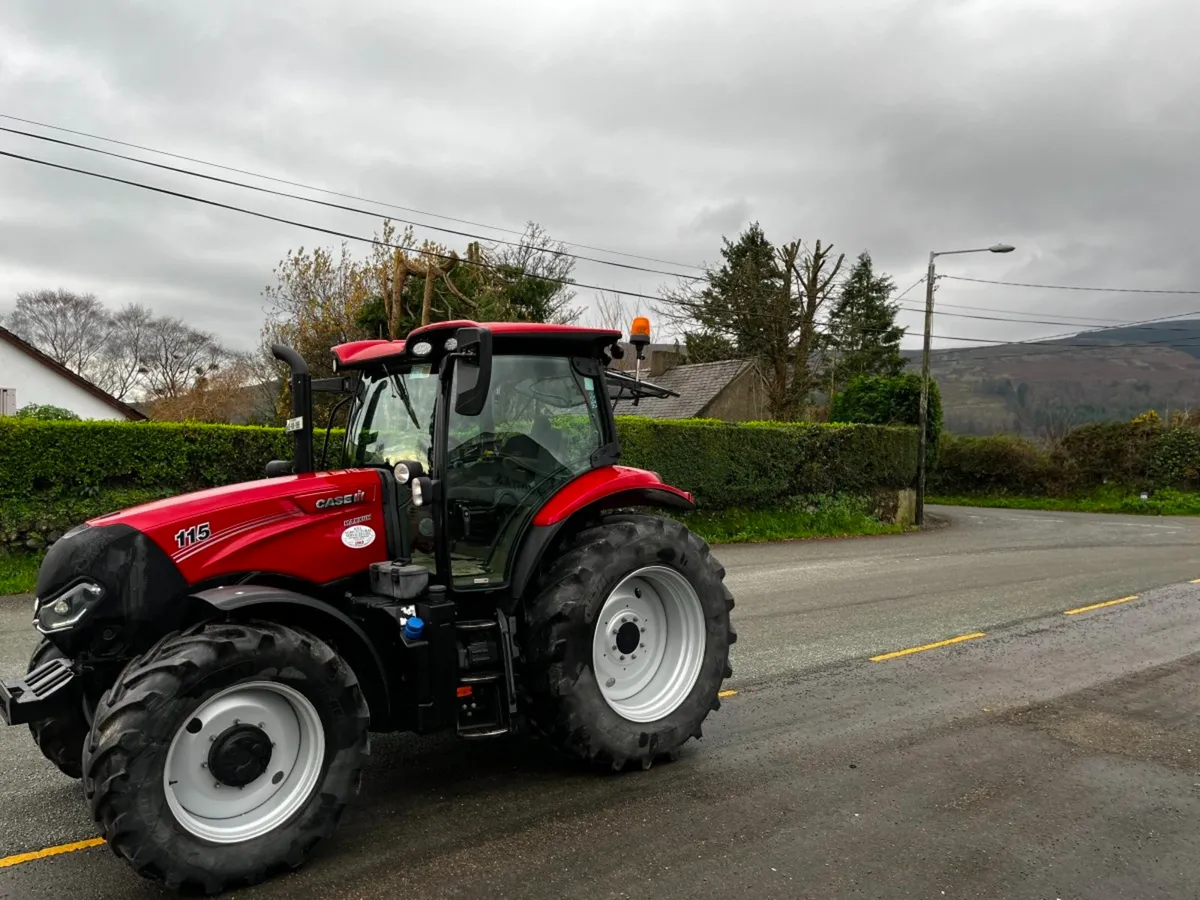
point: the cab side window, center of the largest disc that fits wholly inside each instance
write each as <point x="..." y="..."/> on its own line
<point x="537" y="431"/>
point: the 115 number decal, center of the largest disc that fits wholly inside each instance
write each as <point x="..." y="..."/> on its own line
<point x="194" y="535"/>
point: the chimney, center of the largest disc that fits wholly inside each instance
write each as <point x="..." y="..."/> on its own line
<point x="661" y="361"/>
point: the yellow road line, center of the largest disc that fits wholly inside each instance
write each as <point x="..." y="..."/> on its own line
<point x="933" y="646"/>
<point x="49" y="851"/>
<point x="1083" y="609"/>
<point x="726" y="693"/>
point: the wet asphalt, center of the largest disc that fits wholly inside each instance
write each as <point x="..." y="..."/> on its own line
<point x="1055" y="757"/>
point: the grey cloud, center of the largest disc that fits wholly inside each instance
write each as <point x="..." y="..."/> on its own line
<point x="1066" y="128"/>
<point x="724" y="218"/>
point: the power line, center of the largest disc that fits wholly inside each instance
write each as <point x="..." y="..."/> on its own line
<point x="1069" y="287"/>
<point x="340" y="206"/>
<point x="456" y="232"/>
<point x="900" y="296"/>
<point x="1082" y="319"/>
<point x="939" y="312"/>
<point x="332" y="193"/>
<point x="318" y="228"/>
<point x="375" y="241"/>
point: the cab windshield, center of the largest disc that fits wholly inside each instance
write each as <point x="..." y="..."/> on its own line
<point x="393" y="419"/>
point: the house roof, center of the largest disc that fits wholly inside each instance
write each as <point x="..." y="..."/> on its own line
<point x="78" y="380"/>
<point x="697" y="385"/>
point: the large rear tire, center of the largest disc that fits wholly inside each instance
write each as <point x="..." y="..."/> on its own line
<point x="60" y="738"/>
<point x="225" y="754"/>
<point x="628" y="642"/>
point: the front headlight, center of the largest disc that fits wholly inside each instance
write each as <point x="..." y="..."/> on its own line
<point x="65" y="610"/>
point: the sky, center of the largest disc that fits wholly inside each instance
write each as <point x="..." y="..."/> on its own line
<point x="1068" y="128"/>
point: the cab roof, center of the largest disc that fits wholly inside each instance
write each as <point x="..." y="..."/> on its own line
<point x="507" y="337"/>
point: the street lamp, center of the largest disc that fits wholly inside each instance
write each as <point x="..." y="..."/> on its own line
<point x="922" y="422"/>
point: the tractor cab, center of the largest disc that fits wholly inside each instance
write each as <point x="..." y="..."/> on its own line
<point x="481" y="428"/>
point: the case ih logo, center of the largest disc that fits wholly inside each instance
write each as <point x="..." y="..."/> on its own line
<point x="341" y="500"/>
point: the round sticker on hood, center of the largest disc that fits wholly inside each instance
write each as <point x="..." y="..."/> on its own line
<point x="358" y="536"/>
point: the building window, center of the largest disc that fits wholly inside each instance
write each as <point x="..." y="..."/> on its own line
<point x="8" y="401"/>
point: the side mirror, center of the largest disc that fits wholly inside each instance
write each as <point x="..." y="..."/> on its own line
<point x="474" y="356"/>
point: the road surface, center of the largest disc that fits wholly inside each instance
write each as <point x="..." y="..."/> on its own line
<point x="1052" y="756"/>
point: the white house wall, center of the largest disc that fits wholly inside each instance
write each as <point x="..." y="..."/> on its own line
<point x="34" y="383"/>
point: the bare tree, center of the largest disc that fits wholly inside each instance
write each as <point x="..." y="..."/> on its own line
<point x="816" y="282"/>
<point x="69" y="328"/>
<point x="119" y="368"/>
<point x="613" y="311"/>
<point x="177" y="357"/>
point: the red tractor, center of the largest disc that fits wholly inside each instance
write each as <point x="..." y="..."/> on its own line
<point x="212" y="664"/>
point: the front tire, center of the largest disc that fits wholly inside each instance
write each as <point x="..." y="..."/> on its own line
<point x="60" y="738"/>
<point x="225" y="754"/>
<point x="628" y="642"/>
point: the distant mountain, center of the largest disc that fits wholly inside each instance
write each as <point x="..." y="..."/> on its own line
<point x="1038" y="389"/>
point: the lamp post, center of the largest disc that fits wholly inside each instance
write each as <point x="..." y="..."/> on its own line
<point x="924" y="414"/>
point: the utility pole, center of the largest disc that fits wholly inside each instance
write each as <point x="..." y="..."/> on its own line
<point x="923" y="418"/>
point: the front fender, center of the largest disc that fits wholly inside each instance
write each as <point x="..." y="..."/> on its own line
<point x="325" y="621"/>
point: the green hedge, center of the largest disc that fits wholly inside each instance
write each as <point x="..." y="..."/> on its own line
<point x="891" y="400"/>
<point x="69" y="457"/>
<point x="55" y="474"/>
<point x="759" y="463"/>
<point x="998" y="466"/>
<point x="1130" y="455"/>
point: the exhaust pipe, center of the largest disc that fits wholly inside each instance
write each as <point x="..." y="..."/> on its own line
<point x="299" y="426"/>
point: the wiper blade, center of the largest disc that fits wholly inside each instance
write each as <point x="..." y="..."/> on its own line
<point x="401" y="390"/>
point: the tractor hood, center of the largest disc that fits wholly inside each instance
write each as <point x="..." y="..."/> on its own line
<point x="132" y="565"/>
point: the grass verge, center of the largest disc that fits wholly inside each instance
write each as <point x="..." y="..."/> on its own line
<point x="18" y="572"/>
<point x="1159" y="503"/>
<point x="809" y="517"/>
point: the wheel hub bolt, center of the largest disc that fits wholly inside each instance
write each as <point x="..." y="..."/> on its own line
<point x="610" y="682"/>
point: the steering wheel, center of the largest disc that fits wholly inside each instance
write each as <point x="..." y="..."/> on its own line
<point x="518" y="462"/>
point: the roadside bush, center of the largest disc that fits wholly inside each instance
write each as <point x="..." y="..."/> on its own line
<point x="1175" y="458"/>
<point x="891" y="400"/>
<point x="752" y="464"/>
<point x="73" y="458"/>
<point x="1110" y="453"/>
<point x="56" y="474"/>
<point x="998" y="465"/>
<point x="46" y="413"/>
<point x="1129" y="456"/>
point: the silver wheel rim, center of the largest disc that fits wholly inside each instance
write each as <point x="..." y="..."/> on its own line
<point x="649" y="681"/>
<point x="224" y="814"/>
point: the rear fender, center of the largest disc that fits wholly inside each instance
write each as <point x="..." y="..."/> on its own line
<point x="608" y="487"/>
<point x="321" y="619"/>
